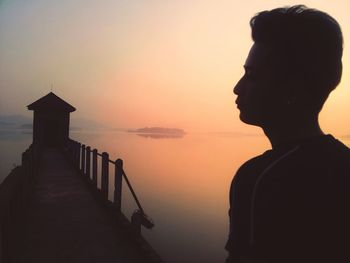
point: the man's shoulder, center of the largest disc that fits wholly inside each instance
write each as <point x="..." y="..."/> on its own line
<point x="325" y="161"/>
<point x="329" y="148"/>
<point x="336" y="156"/>
<point x="339" y="147"/>
<point x="323" y="152"/>
<point x="255" y="163"/>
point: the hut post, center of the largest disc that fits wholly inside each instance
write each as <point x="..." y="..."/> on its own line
<point x="94" y="167"/>
<point x="83" y="151"/>
<point x="77" y="157"/>
<point x="74" y="151"/>
<point x="104" y="176"/>
<point x="88" y="161"/>
<point x="118" y="184"/>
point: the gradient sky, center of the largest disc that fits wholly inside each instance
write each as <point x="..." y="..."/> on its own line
<point x="132" y="63"/>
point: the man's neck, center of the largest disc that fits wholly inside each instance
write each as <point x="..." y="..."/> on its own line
<point x="292" y="130"/>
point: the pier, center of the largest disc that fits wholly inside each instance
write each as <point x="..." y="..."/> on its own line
<point x="59" y="204"/>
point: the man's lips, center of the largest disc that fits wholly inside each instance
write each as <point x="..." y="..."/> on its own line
<point x="238" y="103"/>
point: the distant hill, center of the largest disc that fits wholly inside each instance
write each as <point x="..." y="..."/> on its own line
<point x="14" y="121"/>
<point x="24" y="122"/>
<point x="26" y="126"/>
<point x="158" y="130"/>
<point x="5" y="124"/>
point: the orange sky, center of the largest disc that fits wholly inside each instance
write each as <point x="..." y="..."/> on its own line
<point x="143" y="63"/>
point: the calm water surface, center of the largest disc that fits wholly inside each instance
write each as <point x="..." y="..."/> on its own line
<point x="12" y="144"/>
<point x="182" y="183"/>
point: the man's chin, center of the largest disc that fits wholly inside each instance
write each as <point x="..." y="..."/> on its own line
<point x="249" y="120"/>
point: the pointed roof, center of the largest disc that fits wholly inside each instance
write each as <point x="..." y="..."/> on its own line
<point x="51" y="102"/>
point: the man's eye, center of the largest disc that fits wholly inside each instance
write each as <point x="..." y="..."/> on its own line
<point x="249" y="74"/>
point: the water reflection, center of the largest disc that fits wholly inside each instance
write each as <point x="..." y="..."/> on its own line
<point x="87" y="135"/>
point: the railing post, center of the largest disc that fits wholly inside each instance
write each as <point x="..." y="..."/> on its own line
<point x="78" y="156"/>
<point x="94" y="167"/>
<point x="104" y="175"/>
<point x="82" y="169"/>
<point x="118" y="184"/>
<point x="88" y="161"/>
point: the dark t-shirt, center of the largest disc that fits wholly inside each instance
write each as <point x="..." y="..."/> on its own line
<point x="292" y="204"/>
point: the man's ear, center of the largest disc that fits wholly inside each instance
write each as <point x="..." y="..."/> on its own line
<point x="296" y="88"/>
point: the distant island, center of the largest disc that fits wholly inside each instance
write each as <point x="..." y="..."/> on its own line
<point x="159" y="130"/>
<point x="160" y="135"/>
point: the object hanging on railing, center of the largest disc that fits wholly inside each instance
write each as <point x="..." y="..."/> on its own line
<point x="139" y="217"/>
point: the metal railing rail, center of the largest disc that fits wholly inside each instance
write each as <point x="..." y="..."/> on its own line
<point x="86" y="161"/>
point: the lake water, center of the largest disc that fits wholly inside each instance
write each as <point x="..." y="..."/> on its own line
<point x="12" y="144"/>
<point x="182" y="184"/>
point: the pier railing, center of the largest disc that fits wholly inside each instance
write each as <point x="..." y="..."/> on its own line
<point x="85" y="159"/>
<point x="14" y="191"/>
<point x="16" y="187"/>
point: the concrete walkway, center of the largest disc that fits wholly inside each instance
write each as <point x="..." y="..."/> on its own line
<point x="66" y="224"/>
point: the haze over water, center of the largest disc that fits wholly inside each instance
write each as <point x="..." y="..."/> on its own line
<point x="137" y="63"/>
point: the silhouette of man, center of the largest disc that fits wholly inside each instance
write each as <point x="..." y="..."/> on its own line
<point x="292" y="203"/>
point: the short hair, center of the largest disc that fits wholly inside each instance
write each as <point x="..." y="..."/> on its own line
<point x="308" y="42"/>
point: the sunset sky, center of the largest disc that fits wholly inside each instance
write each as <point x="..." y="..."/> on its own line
<point x="131" y="63"/>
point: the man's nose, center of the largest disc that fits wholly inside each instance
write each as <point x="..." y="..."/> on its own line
<point x="238" y="87"/>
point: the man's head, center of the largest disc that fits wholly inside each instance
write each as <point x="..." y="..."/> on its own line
<point x="294" y="64"/>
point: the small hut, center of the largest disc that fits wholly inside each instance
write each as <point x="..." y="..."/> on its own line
<point x="51" y="120"/>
